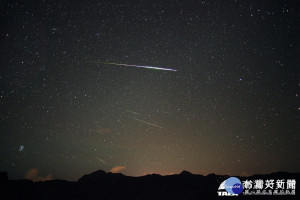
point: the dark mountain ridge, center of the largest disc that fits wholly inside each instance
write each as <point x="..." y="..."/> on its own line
<point x="102" y="185"/>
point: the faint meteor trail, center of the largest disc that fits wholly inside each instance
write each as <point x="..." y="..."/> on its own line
<point x="101" y="160"/>
<point x="135" y="113"/>
<point x="141" y="66"/>
<point x="147" y="123"/>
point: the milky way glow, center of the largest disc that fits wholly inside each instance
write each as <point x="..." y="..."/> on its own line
<point x="141" y="66"/>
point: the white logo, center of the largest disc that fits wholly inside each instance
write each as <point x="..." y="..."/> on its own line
<point x="223" y="192"/>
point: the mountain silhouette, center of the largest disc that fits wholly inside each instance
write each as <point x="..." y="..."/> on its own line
<point x="101" y="176"/>
<point x="103" y="185"/>
<point x="3" y="177"/>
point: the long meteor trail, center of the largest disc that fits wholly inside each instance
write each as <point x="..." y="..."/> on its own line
<point x="140" y="66"/>
<point x="151" y="124"/>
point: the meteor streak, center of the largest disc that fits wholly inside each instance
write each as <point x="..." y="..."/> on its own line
<point x="135" y="113"/>
<point x="148" y="123"/>
<point x="101" y="160"/>
<point x="141" y="66"/>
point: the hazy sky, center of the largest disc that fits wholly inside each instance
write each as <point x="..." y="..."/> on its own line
<point x="230" y="106"/>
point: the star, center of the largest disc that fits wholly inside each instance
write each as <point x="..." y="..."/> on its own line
<point x="21" y="148"/>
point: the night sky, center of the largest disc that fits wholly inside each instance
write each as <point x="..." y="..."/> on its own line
<point x="231" y="105"/>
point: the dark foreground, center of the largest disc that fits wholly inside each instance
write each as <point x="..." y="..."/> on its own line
<point x="102" y="185"/>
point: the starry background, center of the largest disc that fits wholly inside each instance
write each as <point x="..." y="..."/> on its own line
<point x="232" y="106"/>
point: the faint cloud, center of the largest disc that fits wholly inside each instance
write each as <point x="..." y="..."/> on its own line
<point x="32" y="174"/>
<point x="117" y="169"/>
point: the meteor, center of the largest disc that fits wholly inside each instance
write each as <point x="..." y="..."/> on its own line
<point x="147" y="123"/>
<point x="140" y="66"/>
<point x="135" y="113"/>
<point x="101" y="160"/>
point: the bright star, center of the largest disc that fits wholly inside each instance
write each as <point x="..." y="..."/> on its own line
<point x="21" y="148"/>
